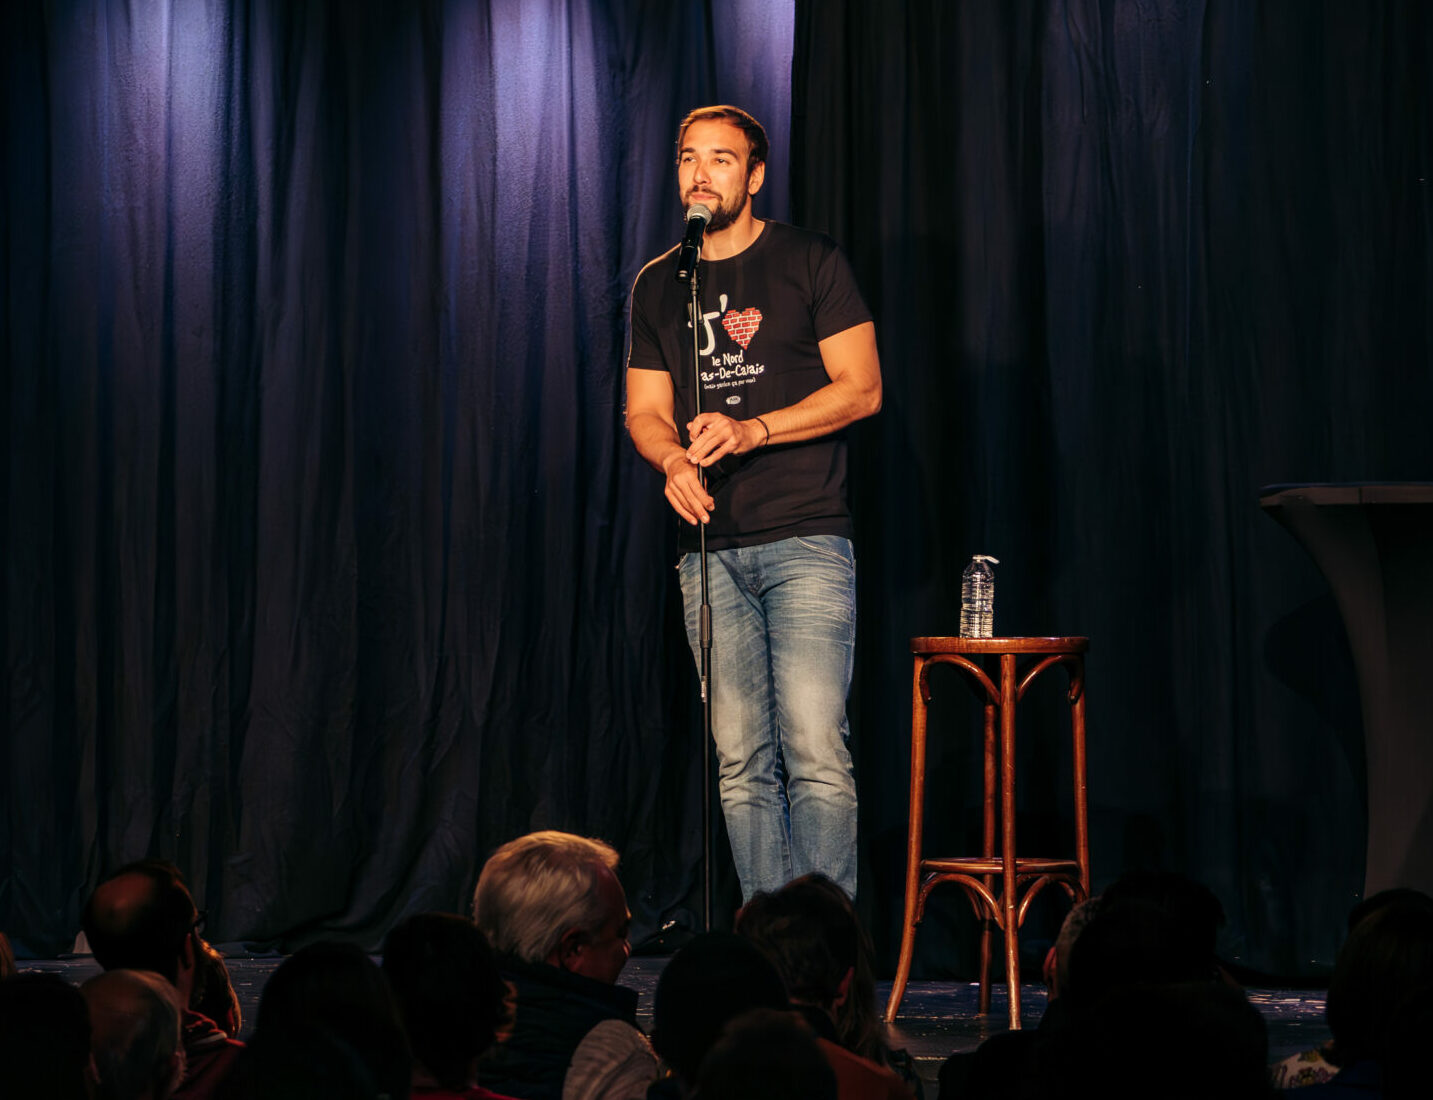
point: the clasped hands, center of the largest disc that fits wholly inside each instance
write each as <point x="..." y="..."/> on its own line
<point x="713" y="435"/>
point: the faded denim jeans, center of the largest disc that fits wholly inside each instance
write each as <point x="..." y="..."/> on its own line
<point x="783" y="646"/>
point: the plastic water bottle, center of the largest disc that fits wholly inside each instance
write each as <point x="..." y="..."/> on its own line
<point x="977" y="598"/>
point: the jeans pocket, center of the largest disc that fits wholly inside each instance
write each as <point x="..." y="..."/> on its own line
<point x="830" y="546"/>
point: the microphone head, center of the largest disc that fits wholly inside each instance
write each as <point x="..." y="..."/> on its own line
<point x="699" y="212"/>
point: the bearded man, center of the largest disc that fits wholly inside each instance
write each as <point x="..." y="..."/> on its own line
<point x="787" y="361"/>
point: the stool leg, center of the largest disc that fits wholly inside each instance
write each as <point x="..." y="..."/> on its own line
<point x="914" y="832"/>
<point x="1077" y="727"/>
<point x="1008" y="884"/>
<point x="988" y="921"/>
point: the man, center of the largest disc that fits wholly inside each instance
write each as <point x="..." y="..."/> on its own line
<point x="452" y="999"/>
<point x="136" y="1039"/>
<point x="556" y="916"/>
<point x="811" y="937"/>
<point x="143" y="918"/>
<point x="44" y="1039"/>
<point x="788" y="364"/>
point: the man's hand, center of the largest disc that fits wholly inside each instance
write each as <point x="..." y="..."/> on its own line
<point x="715" y="435"/>
<point x="684" y="489"/>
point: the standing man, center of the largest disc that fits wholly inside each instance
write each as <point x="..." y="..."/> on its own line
<point x="788" y="360"/>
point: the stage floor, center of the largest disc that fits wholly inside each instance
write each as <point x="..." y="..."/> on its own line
<point x="937" y="1019"/>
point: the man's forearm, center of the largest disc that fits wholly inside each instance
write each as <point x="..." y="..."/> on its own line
<point x="833" y="407"/>
<point x="655" y="438"/>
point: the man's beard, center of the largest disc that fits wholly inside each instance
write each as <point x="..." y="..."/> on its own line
<point x="724" y="214"/>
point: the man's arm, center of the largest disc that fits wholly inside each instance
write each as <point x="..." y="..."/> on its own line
<point x="853" y="393"/>
<point x="651" y="422"/>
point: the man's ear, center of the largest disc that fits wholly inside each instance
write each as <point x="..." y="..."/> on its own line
<point x="570" y="947"/>
<point x="756" y="177"/>
<point x="844" y="989"/>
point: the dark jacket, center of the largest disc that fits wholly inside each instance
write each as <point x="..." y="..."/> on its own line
<point x="553" y="1011"/>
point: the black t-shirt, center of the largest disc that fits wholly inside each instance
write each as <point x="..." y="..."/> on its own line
<point x="765" y="309"/>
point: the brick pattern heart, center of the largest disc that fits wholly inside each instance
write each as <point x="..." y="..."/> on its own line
<point x="742" y="326"/>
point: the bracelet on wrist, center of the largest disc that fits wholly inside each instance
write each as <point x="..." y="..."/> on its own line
<point x="764" y="428"/>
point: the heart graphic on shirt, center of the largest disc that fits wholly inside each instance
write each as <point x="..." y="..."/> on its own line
<point x="742" y="326"/>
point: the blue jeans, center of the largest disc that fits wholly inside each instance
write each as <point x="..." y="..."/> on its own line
<point x="783" y="646"/>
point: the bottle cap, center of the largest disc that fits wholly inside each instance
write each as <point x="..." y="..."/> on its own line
<point x="986" y="557"/>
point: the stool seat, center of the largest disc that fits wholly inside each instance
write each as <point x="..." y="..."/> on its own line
<point x="955" y="644"/>
<point x="999" y="883"/>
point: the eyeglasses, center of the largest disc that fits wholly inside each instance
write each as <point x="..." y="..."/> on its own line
<point x="201" y="917"/>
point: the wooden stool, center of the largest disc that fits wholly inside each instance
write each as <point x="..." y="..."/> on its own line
<point x="1020" y="877"/>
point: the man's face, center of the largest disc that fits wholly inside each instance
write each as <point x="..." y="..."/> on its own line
<point x="602" y="954"/>
<point x="713" y="169"/>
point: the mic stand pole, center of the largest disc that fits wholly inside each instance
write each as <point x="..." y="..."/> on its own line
<point x="704" y="624"/>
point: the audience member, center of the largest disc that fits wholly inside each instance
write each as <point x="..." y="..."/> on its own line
<point x="858" y="1018"/>
<point x="451" y="999"/>
<point x="1322" y="1063"/>
<point x="1132" y="943"/>
<point x="135" y="1034"/>
<point x="7" y="958"/>
<point x="1149" y="931"/>
<point x="811" y="938"/>
<point x="1056" y="970"/>
<point x="765" y="1054"/>
<point x="332" y="999"/>
<point x="1177" y="1041"/>
<point x="44" y="1039"/>
<point x="309" y="1062"/>
<point x="555" y="914"/>
<point x="709" y="982"/>
<point x="1385" y="965"/>
<point x="1193" y="910"/>
<point x="214" y="994"/>
<point x="994" y="1069"/>
<point x="143" y="918"/>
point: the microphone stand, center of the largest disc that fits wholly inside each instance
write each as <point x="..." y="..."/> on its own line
<point x="704" y="622"/>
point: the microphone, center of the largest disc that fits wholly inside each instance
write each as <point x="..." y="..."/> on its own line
<point x="691" y="251"/>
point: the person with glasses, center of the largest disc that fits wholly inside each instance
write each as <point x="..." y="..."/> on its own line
<point x="143" y="918"/>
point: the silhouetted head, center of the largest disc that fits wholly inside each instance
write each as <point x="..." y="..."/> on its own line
<point x="135" y="1016"/>
<point x="143" y="918"/>
<point x="1387" y="958"/>
<point x="449" y="992"/>
<point x="710" y="981"/>
<point x="44" y="1039"/>
<point x="766" y="1054"/>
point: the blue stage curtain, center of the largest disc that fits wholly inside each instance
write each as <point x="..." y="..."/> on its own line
<point x="1131" y="262"/>
<point x="329" y="564"/>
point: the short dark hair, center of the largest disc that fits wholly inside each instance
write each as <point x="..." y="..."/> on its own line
<point x="1131" y="943"/>
<point x="449" y="991"/>
<point x="44" y="1038"/>
<point x="766" y="1054"/>
<point x="1192" y="907"/>
<point x="807" y="934"/>
<point x="147" y="934"/>
<point x="755" y="133"/>
<point x="336" y="988"/>
<point x="714" y="978"/>
<point x="1386" y="959"/>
